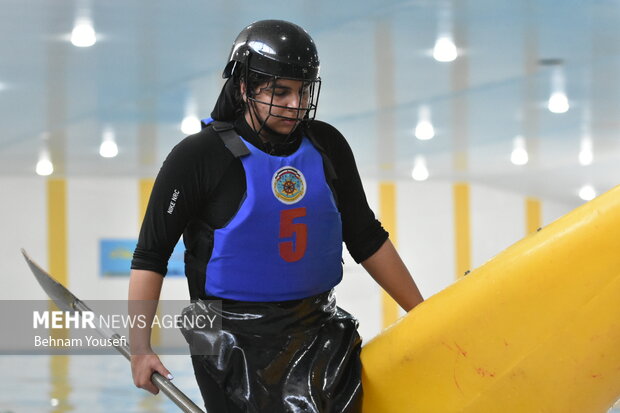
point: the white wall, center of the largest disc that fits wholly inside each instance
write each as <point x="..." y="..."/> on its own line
<point x="23" y="224"/>
<point x="98" y="208"/>
<point x="426" y="233"/>
<point x="497" y="222"/>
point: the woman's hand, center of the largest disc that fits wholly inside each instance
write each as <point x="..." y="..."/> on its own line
<point x="142" y="368"/>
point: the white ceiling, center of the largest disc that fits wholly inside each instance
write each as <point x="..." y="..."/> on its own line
<point x="155" y="59"/>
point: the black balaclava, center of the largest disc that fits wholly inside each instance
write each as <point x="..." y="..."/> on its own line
<point x="225" y="109"/>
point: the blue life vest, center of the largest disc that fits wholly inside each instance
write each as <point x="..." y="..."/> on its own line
<point x="285" y="241"/>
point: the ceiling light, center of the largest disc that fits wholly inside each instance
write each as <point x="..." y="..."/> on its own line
<point x="445" y="49"/>
<point x="586" y="155"/>
<point x="419" y="171"/>
<point x="519" y="154"/>
<point x="108" y="147"/>
<point x="190" y="125"/>
<point x="587" y="193"/>
<point x="558" y="103"/>
<point x="44" y="165"/>
<point x="83" y="34"/>
<point x="424" y="130"/>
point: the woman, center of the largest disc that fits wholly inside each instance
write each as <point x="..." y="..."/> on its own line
<point x="264" y="196"/>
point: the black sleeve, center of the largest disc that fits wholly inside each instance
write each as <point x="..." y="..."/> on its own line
<point x="186" y="178"/>
<point x="362" y="233"/>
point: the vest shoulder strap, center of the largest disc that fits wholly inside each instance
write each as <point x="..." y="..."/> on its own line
<point x="329" y="166"/>
<point x="230" y="138"/>
<point x="330" y="171"/>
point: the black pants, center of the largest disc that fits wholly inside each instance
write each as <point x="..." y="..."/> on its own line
<point x="296" y="356"/>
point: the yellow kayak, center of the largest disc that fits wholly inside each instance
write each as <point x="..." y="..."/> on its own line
<point x="535" y="329"/>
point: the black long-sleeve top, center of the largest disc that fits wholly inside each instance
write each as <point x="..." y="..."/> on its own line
<point x="200" y="186"/>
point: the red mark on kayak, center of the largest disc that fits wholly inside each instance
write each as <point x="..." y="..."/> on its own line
<point x="484" y="372"/>
<point x="463" y="352"/>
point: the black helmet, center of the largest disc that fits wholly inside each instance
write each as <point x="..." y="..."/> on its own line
<point x="277" y="48"/>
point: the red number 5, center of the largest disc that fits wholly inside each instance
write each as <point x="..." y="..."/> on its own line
<point x="288" y="229"/>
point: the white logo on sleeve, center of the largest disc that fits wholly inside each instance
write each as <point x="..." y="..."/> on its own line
<point x="173" y="201"/>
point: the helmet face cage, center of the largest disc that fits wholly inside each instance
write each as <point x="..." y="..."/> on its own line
<point x="310" y="92"/>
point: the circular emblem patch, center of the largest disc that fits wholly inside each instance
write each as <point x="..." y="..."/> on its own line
<point x="288" y="185"/>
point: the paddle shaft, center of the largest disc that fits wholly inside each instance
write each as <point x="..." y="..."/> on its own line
<point x="162" y="383"/>
<point x="66" y="300"/>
